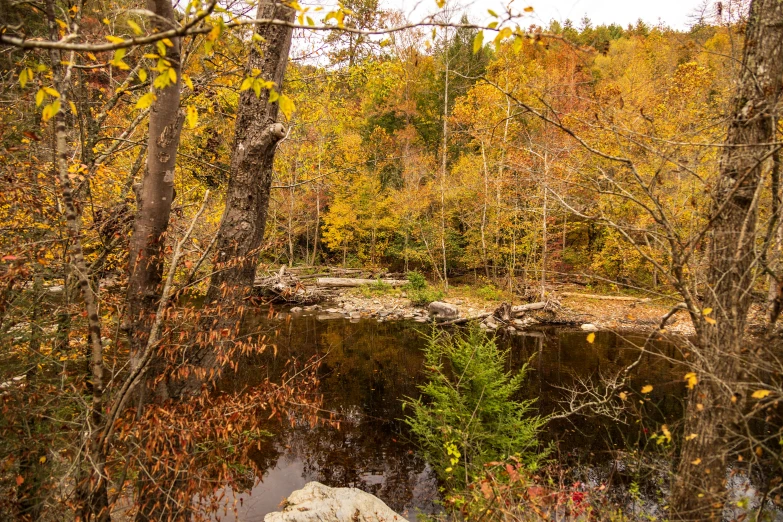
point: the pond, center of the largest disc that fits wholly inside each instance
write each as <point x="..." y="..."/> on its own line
<point x="370" y="367"/>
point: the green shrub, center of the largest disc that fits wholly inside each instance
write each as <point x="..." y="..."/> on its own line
<point x="379" y="287"/>
<point x="467" y="415"/>
<point x="419" y="292"/>
<point x="416" y="281"/>
<point x="425" y="296"/>
<point x="489" y="293"/>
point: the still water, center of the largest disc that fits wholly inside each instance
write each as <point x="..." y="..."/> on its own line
<point x="369" y="367"/>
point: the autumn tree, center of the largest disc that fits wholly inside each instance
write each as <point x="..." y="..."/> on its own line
<point x="699" y="489"/>
<point x="257" y="132"/>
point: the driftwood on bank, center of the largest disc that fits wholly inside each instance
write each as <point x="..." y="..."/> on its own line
<point x="521" y="309"/>
<point x="346" y="282"/>
<point x="606" y="297"/>
<point x="285" y="287"/>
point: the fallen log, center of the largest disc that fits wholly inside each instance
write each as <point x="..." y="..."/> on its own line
<point x="521" y="309"/>
<point x="606" y="297"/>
<point x="347" y="282"/>
<point x="284" y="287"/>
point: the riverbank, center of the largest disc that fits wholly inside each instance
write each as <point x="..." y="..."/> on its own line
<point x="565" y="305"/>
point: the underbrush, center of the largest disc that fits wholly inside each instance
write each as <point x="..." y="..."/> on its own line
<point x="375" y="289"/>
<point x="419" y="291"/>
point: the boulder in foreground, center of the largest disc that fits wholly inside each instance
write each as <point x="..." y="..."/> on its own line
<point x="443" y="311"/>
<point x="318" y="503"/>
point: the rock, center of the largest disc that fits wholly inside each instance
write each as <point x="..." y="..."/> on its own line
<point x="332" y="311"/>
<point x="443" y="311"/>
<point x="409" y="316"/>
<point x="355" y="315"/>
<point x="56" y="289"/>
<point x="589" y="327"/>
<point x="13" y="381"/>
<point x="296" y="310"/>
<point x="458" y="301"/>
<point x="490" y="323"/>
<point x="328" y="316"/>
<point x="318" y="503"/>
<point x="524" y="323"/>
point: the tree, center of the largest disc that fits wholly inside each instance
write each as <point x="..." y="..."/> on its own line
<point x="156" y="194"/>
<point x="256" y="135"/>
<point x="699" y="491"/>
<point x="349" y="48"/>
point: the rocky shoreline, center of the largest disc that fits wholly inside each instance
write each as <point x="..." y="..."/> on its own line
<point x="575" y="312"/>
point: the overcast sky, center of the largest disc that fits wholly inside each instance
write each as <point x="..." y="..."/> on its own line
<point x="674" y="13"/>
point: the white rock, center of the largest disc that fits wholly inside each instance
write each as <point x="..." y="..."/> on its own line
<point x="318" y="503"/>
<point x="295" y="310"/>
<point x="589" y="327"/>
<point x="524" y="322"/>
<point x="443" y="311"/>
<point x="490" y="323"/>
<point x="13" y="381"/>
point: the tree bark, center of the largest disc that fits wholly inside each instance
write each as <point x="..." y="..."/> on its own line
<point x="775" y="290"/>
<point x="155" y="196"/>
<point x="247" y="200"/>
<point x="699" y="489"/>
<point x="444" y="163"/>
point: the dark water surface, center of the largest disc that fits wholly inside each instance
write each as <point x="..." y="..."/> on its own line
<point x="369" y="367"/>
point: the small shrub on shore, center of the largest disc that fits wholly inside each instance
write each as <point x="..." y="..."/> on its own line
<point x="416" y="281"/>
<point x="489" y="293"/>
<point x="419" y="292"/>
<point x="379" y="287"/>
<point x="467" y="416"/>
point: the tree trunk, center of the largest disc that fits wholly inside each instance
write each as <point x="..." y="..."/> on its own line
<point x="347" y="282"/>
<point x="775" y="291"/>
<point x="543" y="243"/>
<point x="155" y="195"/>
<point x="247" y="200"/>
<point x="699" y="489"/>
<point x="484" y="257"/>
<point x="317" y="218"/>
<point x="92" y="493"/>
<point x="444" y="161"/>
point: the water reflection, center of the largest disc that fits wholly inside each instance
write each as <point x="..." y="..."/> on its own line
<point x="369" y="367"/>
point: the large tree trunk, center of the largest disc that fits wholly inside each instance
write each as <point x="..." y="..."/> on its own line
<point x="699" y="491"/>
<point x="155" y="195"/>
<point x="256" y="136"/>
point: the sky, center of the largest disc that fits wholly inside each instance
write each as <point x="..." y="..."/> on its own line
<point x="677" y="14"/>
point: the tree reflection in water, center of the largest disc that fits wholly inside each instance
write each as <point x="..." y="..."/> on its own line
<point x="369" y="367"/>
